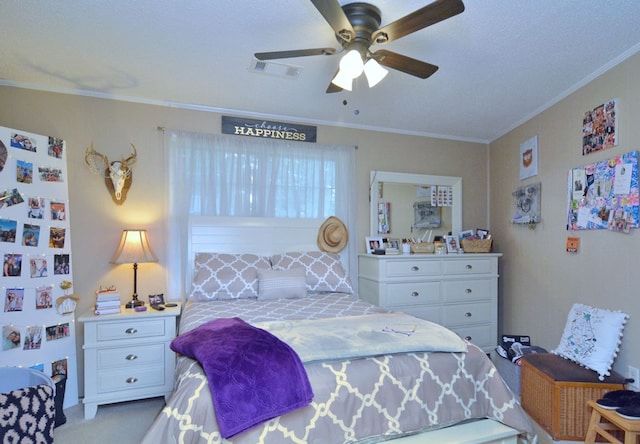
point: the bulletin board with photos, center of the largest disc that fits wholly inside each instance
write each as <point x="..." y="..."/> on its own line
<point x="35" y="246"/>
<point x="604" y="194"/>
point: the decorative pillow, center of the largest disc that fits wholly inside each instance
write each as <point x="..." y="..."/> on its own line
<point x="592" y="337"/>
<point x="282" y="284"/>
<point x="324" y="272"/>
<point x="219" y="276"/>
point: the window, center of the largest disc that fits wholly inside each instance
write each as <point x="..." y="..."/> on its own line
<point x="221" y="175"/>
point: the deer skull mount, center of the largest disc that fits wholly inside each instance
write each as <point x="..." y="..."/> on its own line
<point x="118" y="175"/>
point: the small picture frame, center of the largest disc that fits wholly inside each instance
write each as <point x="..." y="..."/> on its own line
<point x="453" y="244"/>
<point x="156" y="299"/>
<point x="467" y="234"/>
<point x="374" y="243"/>
<point x="393" y="243"/>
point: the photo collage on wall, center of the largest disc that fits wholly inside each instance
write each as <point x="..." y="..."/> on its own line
<point x="604" y="195"/>
<point x="600" y="127"/>
<point x="35" y="250"/>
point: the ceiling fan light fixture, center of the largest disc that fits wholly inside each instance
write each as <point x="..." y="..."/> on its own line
<point x="374" y="72"/>
<point x="351" y="64"/>
<point x="343" y="80"/>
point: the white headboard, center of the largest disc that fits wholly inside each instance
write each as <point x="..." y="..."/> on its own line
<point x="258" y="235"/>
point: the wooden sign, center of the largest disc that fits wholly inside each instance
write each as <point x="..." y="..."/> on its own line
<point x="267" y="129"/>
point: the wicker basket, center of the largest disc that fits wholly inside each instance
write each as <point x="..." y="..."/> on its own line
<point x="555" y="392"/>
<point x="422" y="247"/>
<point x="476" y="245"/>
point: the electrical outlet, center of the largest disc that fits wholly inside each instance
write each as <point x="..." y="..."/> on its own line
<point x="634" y="374"/>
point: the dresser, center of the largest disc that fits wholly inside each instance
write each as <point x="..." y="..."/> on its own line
<point x="127" y="356"/>
<point x="459" y="291"/>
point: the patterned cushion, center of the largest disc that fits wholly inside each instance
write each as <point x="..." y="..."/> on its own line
<point x="324" y="270"/>
<point x="282" y="284"/>
<point x="27" y="415"/>
<point x="592" y="337"/>
<point x="219" y="276"/>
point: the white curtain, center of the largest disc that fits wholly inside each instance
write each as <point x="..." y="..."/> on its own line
<point x="221" y="175"/>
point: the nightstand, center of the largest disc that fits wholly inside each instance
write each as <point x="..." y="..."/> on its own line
<point x="127" y="356"/>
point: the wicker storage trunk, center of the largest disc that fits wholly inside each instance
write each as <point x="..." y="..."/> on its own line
<point x="555" y="392"/>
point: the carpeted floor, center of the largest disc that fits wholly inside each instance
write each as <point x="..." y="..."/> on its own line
<point x="121" y="423"/>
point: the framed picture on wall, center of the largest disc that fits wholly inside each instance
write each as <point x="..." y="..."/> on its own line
<point x="529" y="158"/>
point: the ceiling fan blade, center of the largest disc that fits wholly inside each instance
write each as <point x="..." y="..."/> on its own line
<point x="417" y="20"/>
<point x="405" y="64"/>
<point x="337" y="19"/>
<point x="294" y="53"/>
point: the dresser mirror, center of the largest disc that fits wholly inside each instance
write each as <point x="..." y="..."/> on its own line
<point x="405" y="205"/>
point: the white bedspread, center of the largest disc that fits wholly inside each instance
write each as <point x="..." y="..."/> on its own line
<point x="363" y="335"/>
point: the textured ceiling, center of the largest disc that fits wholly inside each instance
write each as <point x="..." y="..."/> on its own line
<point x="501" y="61"/>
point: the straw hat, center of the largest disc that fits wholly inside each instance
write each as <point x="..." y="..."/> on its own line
<point x="332" y="235"/>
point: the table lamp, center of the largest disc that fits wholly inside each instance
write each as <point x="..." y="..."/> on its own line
<point x="134" y="248"/>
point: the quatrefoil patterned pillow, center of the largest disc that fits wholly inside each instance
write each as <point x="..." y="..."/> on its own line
<point x="222" y="276"/>
<point x="324" y="271"/>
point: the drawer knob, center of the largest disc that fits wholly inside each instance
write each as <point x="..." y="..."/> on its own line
<point x="131" y="357"/>
<point x="467" y="315"/>
<point x="469" y="267"/>
<point x="468" y="338"/>
<point x="131" y="331"/>
<point x="131" y="380"/>
<point x="468" y="290"/>
<point x="415" y="268"/>
<point x="415" y="294"/>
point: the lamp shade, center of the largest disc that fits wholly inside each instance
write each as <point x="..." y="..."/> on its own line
<point x="351" y="64"/>
<point x="374" y="72"/>
<point x="343" y="80"/>
<point x="133" y="248"/>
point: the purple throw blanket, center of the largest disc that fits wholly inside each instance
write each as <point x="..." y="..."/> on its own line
<point x="253" y="376"/>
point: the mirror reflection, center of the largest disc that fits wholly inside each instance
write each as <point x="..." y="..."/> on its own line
<point x="412" y="206"/>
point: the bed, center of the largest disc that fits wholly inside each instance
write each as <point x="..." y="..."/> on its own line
<point x="355" y="397"/>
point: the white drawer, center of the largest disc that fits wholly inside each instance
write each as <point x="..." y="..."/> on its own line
<point x="468" y="266"/>
<point x="466" y="290"/>
<point x="130" y="330"/>
<point x="127" y="357"/>
<point x="130" y="378"/>
<point x="402" y="268"/>
<point x="428" y="313"/>
<point x="479" y="335"/>
<point x="413" y="293"/>
<point x="472" y="313"/>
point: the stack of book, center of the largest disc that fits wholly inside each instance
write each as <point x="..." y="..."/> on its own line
<point x="107" y="302"/>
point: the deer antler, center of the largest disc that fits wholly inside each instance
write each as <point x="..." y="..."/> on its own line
<point x="91" y="158"/>
<point x="132" y="158"/>
<point x="117" y="174"/>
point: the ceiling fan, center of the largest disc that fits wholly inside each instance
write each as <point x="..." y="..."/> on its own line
<point x="357" y="27"/>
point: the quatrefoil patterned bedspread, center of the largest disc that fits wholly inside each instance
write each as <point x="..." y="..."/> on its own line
<point x="361" y="400"/>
